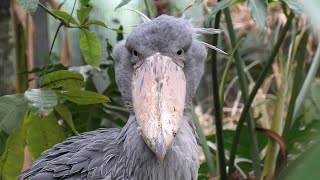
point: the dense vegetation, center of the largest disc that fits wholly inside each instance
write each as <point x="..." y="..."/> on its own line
<point x="255" y="112"/>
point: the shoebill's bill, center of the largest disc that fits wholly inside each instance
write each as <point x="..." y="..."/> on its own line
<point x="158" y="69"/>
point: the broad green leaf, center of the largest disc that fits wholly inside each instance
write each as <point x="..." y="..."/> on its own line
<point x="294" y="5"/>
<point x="244" y="150"/>
<point x="12" y="108"/>
<point x="244" y="143"/>
<point x="66" y="115"/>
<point x="122" y="3"/>
<point x="42" y="133"/>
<point x="41" y="101"/>
<point x="29" y="5"/>
<point x="90" y="48"/>
<point x="259" y="12"/>
<point x="96" y="22"/>
<point x="312" y="103"/>
<point x="219" y="6"/>
<point x="304" y="92"/>
<point x="83" y="13"/>
<point x="84" y="2"/>
<point x="306" y="166"/>
<point x="65" y="16"/>
<point x="11" y="160"/>
<point x="3" y="140"/>
<point x="84" y="97"/>
<point x="302" y="137"/>
<point x="63" y="78"/>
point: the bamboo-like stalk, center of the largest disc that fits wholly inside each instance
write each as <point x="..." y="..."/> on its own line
<point x="278" y="116"/>
<point x="297" y="82"/>
<point x="217" y="105"/>
<point x="244" y="89"/>
<point x="255" y="90"/>
<point x="203" y="142"/>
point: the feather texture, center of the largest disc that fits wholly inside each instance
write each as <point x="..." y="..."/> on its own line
<point x="117" y="154"/>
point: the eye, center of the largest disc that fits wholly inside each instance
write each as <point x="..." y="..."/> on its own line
<point x="179" y="52"/>
<point x="135" y="53"/>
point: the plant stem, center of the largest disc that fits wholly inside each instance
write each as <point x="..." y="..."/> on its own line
<point x="74" y="5"/>
<point x="277" y="124"/>
<point x="225" y="74"/>
<point x="62" y="23"/>
<point x="66" y="24"/>
<point x="255" y="90"/>
<point x="217" y="104"/>
<point x="203" y="142"/>
<point x="244" y="89"/>
<point x="296" y="87"/>
<point x="147" y="8"/>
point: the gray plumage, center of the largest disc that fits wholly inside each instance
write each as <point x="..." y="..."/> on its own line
<point x="122" y="153"/>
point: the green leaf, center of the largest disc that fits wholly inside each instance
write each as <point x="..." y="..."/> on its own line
<point x="29" y="5"/>
<point x="41" y="101"/>
<point x="83" y="13"/>
<point x="3" y="140"/>
<point x="301" y="138"/>
<point x="259" y="12"/>
<point x="11" y="160"/>
<point x="312" y="103"/>
<point x="294" y="5"/>
<point x="96" y="22"/>
<point x="90" y="48"/>
<point x="12" y="108"/>
<point x="84" y="97"/>
<point x="84" y="2"/>
<point x="65" y="16"/>
<point x="66" y="115"/>
<point x="219" y="6"/>
<point x="120" y="33"/>
<point x="306" y="84"/>
<point x="42" y="133"/>
<point x="305" y="166"/>
<point x="122" y="3"/>
<point x="244" y="143"/>
<point x="63" y="78"/>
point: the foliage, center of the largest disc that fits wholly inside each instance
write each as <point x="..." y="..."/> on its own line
<point x="42" y="108"/>
<point x="12" y="108"/>
<point x="68" y="102"/>
<point x="29" y="6"/>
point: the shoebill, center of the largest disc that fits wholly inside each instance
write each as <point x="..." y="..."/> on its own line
<point x="158" y="69"/>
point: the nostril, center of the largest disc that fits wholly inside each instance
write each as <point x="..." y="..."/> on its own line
<point x="174" y="134"/>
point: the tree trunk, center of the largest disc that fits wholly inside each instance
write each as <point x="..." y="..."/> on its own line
<point x="6" y="66"/>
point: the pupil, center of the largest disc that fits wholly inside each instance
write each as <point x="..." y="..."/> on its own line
<point x="135" y="53"/>
<point x="179" y="52"/>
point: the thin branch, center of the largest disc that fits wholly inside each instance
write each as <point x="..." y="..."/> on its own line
<point x="64" y="23"/>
